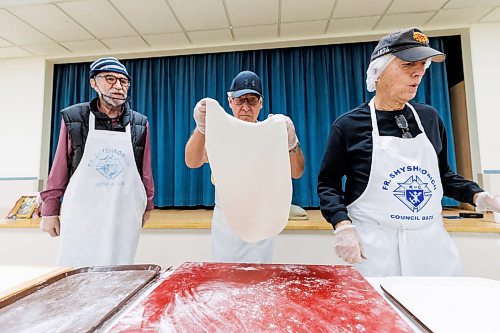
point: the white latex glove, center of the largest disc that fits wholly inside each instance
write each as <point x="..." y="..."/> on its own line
<point x="347" y="244"/>
<point x="290" y="130"/>
<point x="487" y="201"/>
<point x="51" y="225"/>
<point x="292" y="136"/>
<point x="199" y="115"/>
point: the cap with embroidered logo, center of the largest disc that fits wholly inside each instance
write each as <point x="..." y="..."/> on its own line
<point x="108" y="64"/>
<point x="246" y="82"/>
<point x="408" y="45"/>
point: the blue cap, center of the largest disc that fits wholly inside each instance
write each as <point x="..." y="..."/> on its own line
<point x="107" y="65"/>
<point x="246" y="82"/>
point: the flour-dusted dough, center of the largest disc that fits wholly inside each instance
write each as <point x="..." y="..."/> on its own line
<point x="251" y="168"/>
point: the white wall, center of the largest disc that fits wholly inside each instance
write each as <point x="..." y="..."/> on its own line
<point x="171" y="247"/>
<point x="485" y="61"/>
<point x="22" y="89"/>
<point x="485" y="55"/>
<point x="22" y="83"/>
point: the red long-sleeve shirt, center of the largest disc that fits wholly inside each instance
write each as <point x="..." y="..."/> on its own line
<point x="59" y="174"/>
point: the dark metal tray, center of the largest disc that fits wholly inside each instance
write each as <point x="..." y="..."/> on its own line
<point x="80" y="300"/>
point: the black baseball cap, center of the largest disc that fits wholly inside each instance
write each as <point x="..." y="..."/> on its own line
<point x="408" y="45"/>
<point x="245" y="82"/>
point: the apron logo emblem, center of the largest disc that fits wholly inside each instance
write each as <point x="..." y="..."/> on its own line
<point x="109" y="162"/>
<point x="413" y="193"/>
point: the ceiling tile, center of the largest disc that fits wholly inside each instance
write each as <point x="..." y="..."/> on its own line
<point x="471" y="4"/>
<point x="13" y="52"/>
<point x="358" y="8"/>
<point x="17" y="3"/>
<point x="51" y="21"/>
<point x="493" y="16"/>
<point x="16" y="31"/>
<point x="309" y="28"/>
<point x="261" y="32"/>
<point x="412" y="6"/>
<point x="398" y="21"/>
<point x="300" y="10"/>
<point x="251" y="13"/>
<point x="98" y="17"/>
<point x="4" y="43"/>
<point x="166" y="40"/>
<point x="49" y="49"/>
<point x="210" y="36"/>
<point x="457" y="16"/>
<point x="125" y="43"/>
<point x="85" y="46"/>
<point x="148" y="16"/>
<point x="200" y="15"/>
<point x="354" y="24"/>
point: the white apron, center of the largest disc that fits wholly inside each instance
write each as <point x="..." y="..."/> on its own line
<point x="398" y="216"/>
<point x="228" y="247"/>
<point x="102" y="209"/>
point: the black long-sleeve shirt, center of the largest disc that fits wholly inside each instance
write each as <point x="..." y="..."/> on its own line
<point x="349" y="153"/>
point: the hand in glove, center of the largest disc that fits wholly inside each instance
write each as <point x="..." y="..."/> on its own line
<point x="51" y="225"/>
<point x="199" y="115"/>
<point x="290" y="129"/>
<point x="292" y="136"/>
<point x="487" y="201"/>
<point x="347" y="244"/>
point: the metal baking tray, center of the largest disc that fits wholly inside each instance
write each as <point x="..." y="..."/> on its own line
<point x="80" y="300"/>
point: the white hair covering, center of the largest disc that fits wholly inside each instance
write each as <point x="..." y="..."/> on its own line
<point x="378" y="66"/>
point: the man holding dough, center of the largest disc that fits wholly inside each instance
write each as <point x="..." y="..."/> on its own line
<point x="245" y="100"/>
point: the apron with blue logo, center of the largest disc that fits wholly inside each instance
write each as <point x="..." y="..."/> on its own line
<point x="398" y="216"/>
<point x="102" y="209"/>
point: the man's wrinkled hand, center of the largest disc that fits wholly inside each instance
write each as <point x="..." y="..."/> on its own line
<point x="51" y="224"/>
<point x="146" y="216"/>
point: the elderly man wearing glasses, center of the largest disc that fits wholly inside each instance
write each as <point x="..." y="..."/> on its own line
<point x="393" y="153"/>
<point x="245" y="101"/>
<point x="102" y="172"/>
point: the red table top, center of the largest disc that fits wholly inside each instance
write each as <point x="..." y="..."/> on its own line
<point x="218" y="297"/>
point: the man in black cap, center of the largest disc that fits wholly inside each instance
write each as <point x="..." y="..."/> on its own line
<point x="102" y="168"/>
<point x="393" y="154"/>
<point x="245" y="100"/>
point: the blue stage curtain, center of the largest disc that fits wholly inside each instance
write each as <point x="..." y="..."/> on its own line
<point x="312" y="85"/>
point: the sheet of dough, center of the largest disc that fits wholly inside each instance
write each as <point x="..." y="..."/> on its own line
<point x="454" y="305"/>
<point x="251" y="168"/>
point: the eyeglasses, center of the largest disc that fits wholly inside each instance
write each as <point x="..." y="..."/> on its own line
<point x="252" y="101"/>
<point x="403" y="124"/>
<point x="111" y="79"/>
